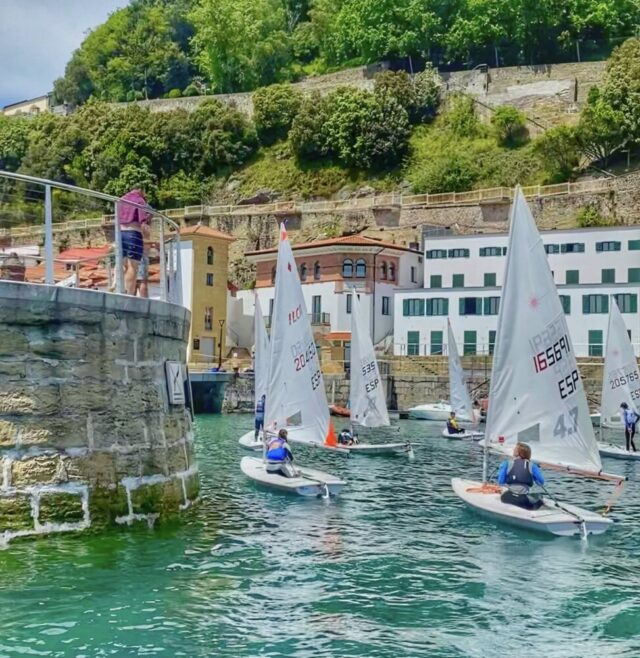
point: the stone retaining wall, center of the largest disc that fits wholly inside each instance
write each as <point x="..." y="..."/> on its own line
<point x="87" y="435"/>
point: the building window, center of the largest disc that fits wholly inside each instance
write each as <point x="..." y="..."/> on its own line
<point x="634" y="245"/>
<point x="435" y="281"/>
<point x="208" y="318"/>
<point x="572" y="248"/>
<point x="595" y="342"/>
<point x="349" y="301"/>
<point x="303" y="272"/>
<point x="361" y="268"/>
<point x="385" y="306"/>
<point x="458" y="253"/>
<point x="490" y="251"/>
<point x="392" y="272"/>
<point x="490" y="279"/>
<point x="491" y="305"/>
<point x="413" y="274"/>
<point x="552" y="248"/>
<point x="608" y="246"/>
<point x="347" y="268"/>
<point x="595" y="304"/>
<point x="347" y="356"/>
<point x="627" y="302"/>
<point x="413" y="343"/>
<point x="316" y="309"/>
<point x="572" y="277"/>
<point x="470" y="342"/>
<point x="566" y="304"/>
<point x="196" y="343"/>
<point x="470" y="306"/>
<point x="457" y="281"/>
<point x="633" y="275"/>
<point x="271" y="307"/>
<point x="436" y="342"/>
<point x="436" y="253"/>
<point x="273" y="275"/>
<point x="412" y="307"/>
<point x="209" y="279"/>
<point x="492" y="341"/>
<point x="437" y="306"/>
<point x="383" y="271"/>
<point x="608" y="276"/>
<point x="209" y="255"/>
<point x="316" y="271"/>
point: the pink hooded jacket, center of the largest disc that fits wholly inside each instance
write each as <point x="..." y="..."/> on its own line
<point x="130" y="214"/>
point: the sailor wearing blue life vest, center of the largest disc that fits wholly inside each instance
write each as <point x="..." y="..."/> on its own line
<point x="630" y="419"/>
<point x="260" y="416"/>
<point x="279" y="456"/>
<point x="519" y="476"/>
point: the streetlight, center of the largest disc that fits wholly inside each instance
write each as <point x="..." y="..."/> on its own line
<point x="221" y="323"/>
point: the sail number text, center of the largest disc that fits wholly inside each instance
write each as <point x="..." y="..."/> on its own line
<point x="295" y="315"/>
<point x="566" y="423"/>
<point x="552" y="355"/>
<point x="368" y="368"/>
<point x="302" y="354"/>
<point x="619" y="378"/>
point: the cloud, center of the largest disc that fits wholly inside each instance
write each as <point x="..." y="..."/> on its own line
<point x="37" y="38"/>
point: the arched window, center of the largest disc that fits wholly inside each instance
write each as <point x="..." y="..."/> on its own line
<point x="316" y="271"/>
<point x="303" y="272"/>
<point x="392" y="272"/>
<point x="383" y="270"/>
<point x="273" y="275"/>
<point x="209" y="255"/>
<point x="361" y="268"/>
<point x="347" y="268"/>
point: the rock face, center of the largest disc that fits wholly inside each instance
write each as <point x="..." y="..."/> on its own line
<point x="88" y="436"/>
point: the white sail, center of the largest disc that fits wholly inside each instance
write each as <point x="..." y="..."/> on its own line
<point x="368" y="405"/>
<point x="296" y="399"/>
<point x="261" y="353"/>
<point x="621" y="377"/>
<point x="459" y="395"/>
<point x="536" y="392"/>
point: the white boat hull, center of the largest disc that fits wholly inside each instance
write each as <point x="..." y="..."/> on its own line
<point x="548" y="519"/>
<point x="460" y="436"/>
<point x="310" y="483"/>
<point x="437" y="411"/>
<point x="379" y="448"/>
<point x="248" y="442"/>
<point x="617" y="452"/>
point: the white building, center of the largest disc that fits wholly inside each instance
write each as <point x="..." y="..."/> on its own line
<point x="329" y="271"/>
<point x="463" y="275"/>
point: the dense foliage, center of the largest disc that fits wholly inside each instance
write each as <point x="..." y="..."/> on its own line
<point x="155" y="48"/>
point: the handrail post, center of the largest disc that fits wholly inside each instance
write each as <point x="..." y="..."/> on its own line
<point x="118" y="241"/>
<point x="48" y="236"/>
<point x="163" y="265"/>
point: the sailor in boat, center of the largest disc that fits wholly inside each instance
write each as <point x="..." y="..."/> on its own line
<point x="279" y="458"/>
<point x="519" y="476"/>
<point x="260" y="415"/>
<point x="452" y="424"/>
<point x="345" y="438"/>
<point x="630" y="419"/>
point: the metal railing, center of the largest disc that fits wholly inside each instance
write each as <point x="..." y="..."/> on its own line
<point x="38" y="195"/>
<point x="320" y="318"/>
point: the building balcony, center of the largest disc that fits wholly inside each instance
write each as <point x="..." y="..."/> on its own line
<point x="320" y="319"/>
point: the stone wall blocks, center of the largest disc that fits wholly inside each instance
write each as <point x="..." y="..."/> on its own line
<point x="15" y="512"/>
<point x="95" y="468"/>
<point x="44" y="469"/>
<point x="161" y="496"/>
<point x="25" y="399"/>
<point x="60" y="507"/>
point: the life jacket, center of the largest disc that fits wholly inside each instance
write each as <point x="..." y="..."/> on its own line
<point x="344" y="437"/>
<point x="519" y="476"/>
<point x="277" y="451"/>
<point x="260" y="408"/>
<point x="630" y="417"/>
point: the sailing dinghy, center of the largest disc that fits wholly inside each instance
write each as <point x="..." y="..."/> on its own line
<point x="458" y="393"/>
<point x="536" y="393"/>
<point x="367" y="399"/>
<point x="261" y="372"/>
<point x="620" y="381"/>
<point x="296" y="398"/>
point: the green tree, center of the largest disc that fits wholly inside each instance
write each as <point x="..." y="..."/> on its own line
<point x="14" y="140"/>
<point x="557" y="149"/>
<point x="306" y="137"/>
<point x="460" y="117"/>
<point x="510" y="126"/>
<point x="601" y="131"/>
<point x="274" y="109"/>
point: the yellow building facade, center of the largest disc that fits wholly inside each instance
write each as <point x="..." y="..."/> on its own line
<point x="204" y="255"/>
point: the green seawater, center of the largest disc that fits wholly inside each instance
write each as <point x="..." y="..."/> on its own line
<point x="396" y="567"/>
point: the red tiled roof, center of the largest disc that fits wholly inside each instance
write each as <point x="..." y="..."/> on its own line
<point x="338" y="335"/>
<point x="87" y="254"/>
<point x="345" y="240"/>
<point x="206" y="232"/>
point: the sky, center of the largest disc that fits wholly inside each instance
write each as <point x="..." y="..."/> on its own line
<point x="37" y="38"/>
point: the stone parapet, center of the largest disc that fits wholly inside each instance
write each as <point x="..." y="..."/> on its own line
<point x="88" y="436"/>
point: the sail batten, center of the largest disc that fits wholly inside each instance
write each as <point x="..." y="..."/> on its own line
<point x="536" y="393"/>
<point x="460" y="400"/>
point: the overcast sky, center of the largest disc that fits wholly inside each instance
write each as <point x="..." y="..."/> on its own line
<point x="37" y="38"/>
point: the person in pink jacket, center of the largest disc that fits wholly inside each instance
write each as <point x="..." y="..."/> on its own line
<point x="135" y="223"/>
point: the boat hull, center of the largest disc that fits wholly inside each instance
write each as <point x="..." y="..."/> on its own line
<point x="379" y="448"/>
<point x="438" y="412"/>
<point x="461" y="436"/>
<point x="248" y="442"/>
<point x="549" y="519"/>
<point x="340" y="411"/>
<point x="617" y="452"/>
<point x="311" y="482"/>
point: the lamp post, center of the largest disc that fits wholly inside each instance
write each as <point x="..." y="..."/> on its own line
<point x="221" y="323"/>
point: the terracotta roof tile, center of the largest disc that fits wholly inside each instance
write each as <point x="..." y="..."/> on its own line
<point x="346" y="240"/>
<point x="206" y="231"/>
<point x="338" y="335"/>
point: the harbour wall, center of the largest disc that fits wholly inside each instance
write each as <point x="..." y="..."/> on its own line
<point x="88" y="436"/>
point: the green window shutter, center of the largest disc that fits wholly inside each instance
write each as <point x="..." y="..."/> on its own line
<point x="461" y="306"/>
<point x="405" y="307"/>
<point x="634" y="245"/>
<point x="608" y="276"/>
<point x="478" y="305"/>
<point x="585" y="304"/>
<point x="490" y="279"/>
<point x="605" y="303"/>
<point x="445" y="307"/>
<point x="457" y="281"/>
<point x="633" y="275"/>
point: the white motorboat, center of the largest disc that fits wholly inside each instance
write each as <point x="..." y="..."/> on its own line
<point x="310" y="482"/>
<point x="536" y="394"/>
<point x="438" y="411"/>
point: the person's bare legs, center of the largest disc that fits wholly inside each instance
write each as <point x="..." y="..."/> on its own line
<point x="143" y="288"/>
<point x="130" y="275"/>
